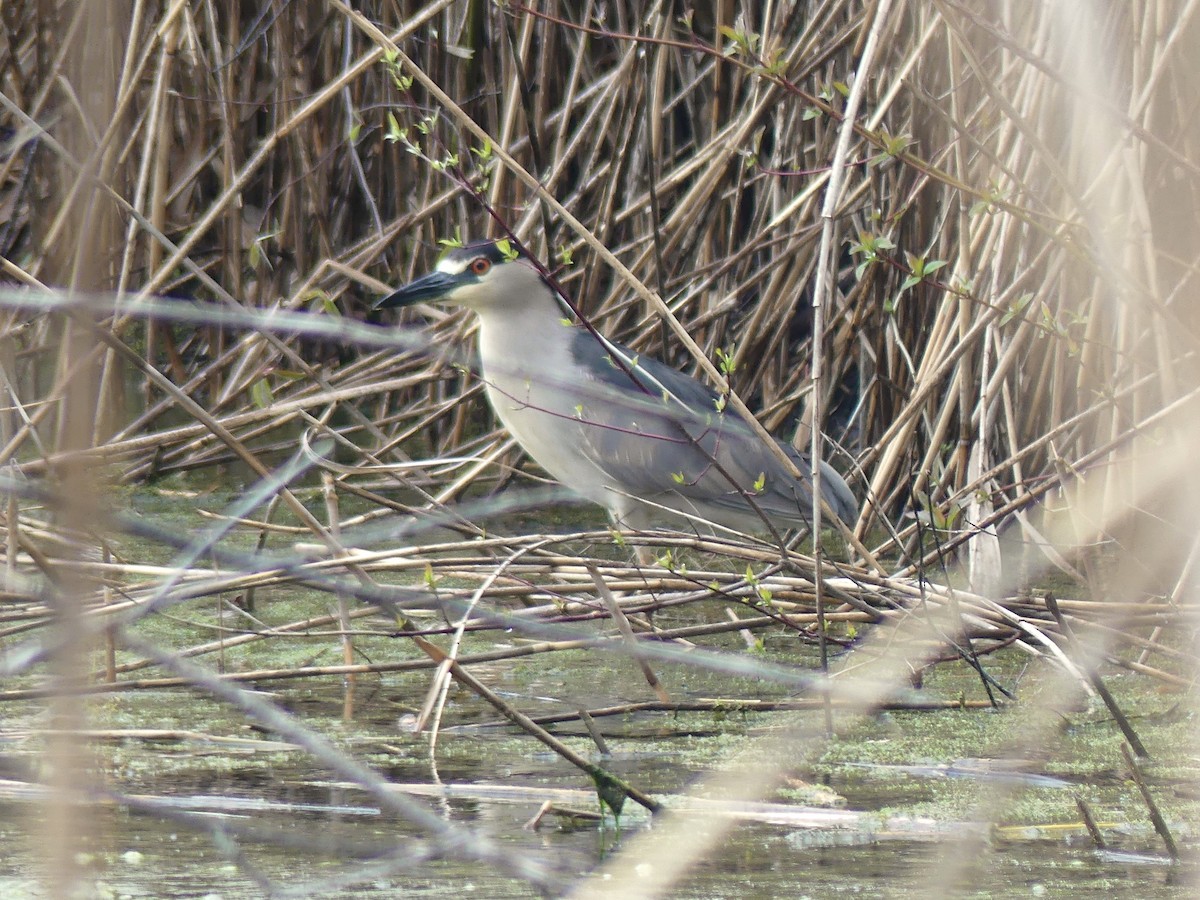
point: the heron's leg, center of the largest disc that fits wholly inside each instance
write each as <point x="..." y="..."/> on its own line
<point x="628" y="515"/>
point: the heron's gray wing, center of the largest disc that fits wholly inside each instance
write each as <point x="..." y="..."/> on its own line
<point x="671" y="439"/>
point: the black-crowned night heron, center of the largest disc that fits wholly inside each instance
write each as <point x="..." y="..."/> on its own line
<point x="641" y="439"/>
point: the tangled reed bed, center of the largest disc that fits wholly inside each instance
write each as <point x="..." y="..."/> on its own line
<point x="952" y="237"/>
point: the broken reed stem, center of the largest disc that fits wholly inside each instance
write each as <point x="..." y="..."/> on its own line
<point x="1134" y="764"/>
<point x="598" y="774"/>
<point x="622" y="622"/>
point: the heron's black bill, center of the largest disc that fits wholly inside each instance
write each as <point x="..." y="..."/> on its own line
<point x="427" y="287"/>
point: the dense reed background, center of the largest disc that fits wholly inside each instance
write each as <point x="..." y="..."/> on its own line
<point x="1002" y="252"/>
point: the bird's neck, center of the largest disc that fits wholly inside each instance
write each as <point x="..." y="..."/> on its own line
<point x="522" y="339"/>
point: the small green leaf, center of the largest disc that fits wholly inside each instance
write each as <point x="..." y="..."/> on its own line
<point x="260" y="394"/>
<point x="725" y="361"/>
<point x="1017" y="307"/>
<point x="452" y="243"/>
<point x="894" y="145"/>
<point x="734" y="38"/>
<point x="776" y="66"/>
<point x="428" y="123"/>
<point x="760" y="482"/>
<point x="320" y="300"/>
<point x="394" y="131"/>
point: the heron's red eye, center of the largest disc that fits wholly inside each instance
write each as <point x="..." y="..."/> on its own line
<point x="480" y="265"/>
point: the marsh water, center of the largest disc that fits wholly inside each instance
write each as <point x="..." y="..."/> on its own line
<point x="901" y="803"/>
